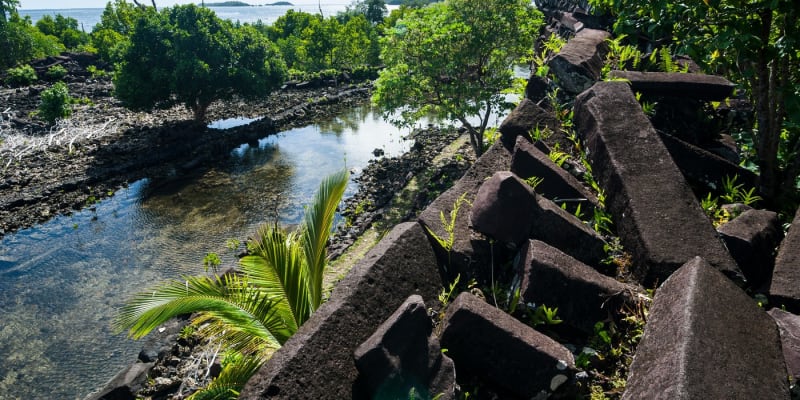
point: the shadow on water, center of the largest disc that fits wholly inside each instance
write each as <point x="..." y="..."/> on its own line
<point x="62" y="281"/>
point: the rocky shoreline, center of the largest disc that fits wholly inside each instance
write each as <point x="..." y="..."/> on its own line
<point x="49" y="171"/>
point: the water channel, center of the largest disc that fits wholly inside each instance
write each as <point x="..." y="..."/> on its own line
<point x="61" y="282"/>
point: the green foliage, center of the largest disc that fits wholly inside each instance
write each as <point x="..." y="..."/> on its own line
<point x="373" y="10"/>
<point x="187" y="55"/>
<point x="96" y="72"/>
<point x="22" y="75"/>
<point x="211" y="261"/>
<point x="544" y="315"/>
<point x="755" y="43"/>
<point x="55" y="103"/>
<point x="449" y="225"/>
<point x="108" y="44"/>
<point x="22" y="42"/>
<point x="56" y="72"/>
<point x="452" y="60"/>
<point x="254" y="312"/>
<point x="63" y="28"/>
<point x="311" y="43"/>
<point x="534" y="181"/>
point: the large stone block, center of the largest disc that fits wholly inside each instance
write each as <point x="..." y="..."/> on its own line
<point x="317" y="362"/>
<point x="785" y="285"/>
<point x="558" y="228"/>
<point x="751" y="239"/>
<point x="523" y="120"/>
<point x="704" y="167"/>
<point x="706" y="339"/>
<point x="656" y="214"/>
<point x="695" y="86"/>
<point x="583" y="296"/>
<point x="470" y="251"/>
<point x="403" y="356"/>
<point x="557" y="184"/>
<point x="577" y="66"/>
<point x="502" y="208"/>
<point x="789" y="328"/>
<point x="486" y="343"/>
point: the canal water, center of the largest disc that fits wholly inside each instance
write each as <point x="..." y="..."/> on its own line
<point x="61" y="282"/>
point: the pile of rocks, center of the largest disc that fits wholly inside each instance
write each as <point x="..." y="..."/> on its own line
<point x="705" y="337"/>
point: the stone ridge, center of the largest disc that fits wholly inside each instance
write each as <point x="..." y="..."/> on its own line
<point x="658" y="218"/>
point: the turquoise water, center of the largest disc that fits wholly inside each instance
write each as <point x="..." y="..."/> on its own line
<point x="61" y="282"/>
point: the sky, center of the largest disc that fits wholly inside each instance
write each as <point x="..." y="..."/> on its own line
<point x="41" y="4"/>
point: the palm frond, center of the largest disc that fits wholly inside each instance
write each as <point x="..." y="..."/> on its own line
<point x="316" y="229"/>
<point x="275" y="267"/>
<point x="228" y="298"/>
<point x="230" y="381"/>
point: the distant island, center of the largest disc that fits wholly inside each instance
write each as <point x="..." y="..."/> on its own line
<point x="407" y="2"/>
<point x="243" y="4"/>
<point x="228" y="4"/>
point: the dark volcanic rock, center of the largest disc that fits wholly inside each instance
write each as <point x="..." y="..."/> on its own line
<point x="502" y="208"/>
<point x="470" y="254"/>
<point x="696" y="86"/>
<point x="752" y="238"/>
<point x="706" y="339"/>
<point x="403" y="355"/>
<point x="579" y="62"/>
<point x="493" y="346"/>
<point x="558" y="228"/>
<point x="704" y="167"/>
<point x="523" y="120"/>
<point x="583" y="296"/>
<point x="785" y="285"/>
<point x="789" y="328"/>
<point x="557" y="184"/>
<point x="125" y="385"/>
<point x="656" y="214"/>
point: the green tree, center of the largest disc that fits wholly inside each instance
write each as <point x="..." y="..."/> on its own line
<point x="116" y="24"/>
<point x="7" y="7"/>
<point x="254" y="312"/>
<point x="373" y="10"/>
<point x="21" y="42"/>
<point x="56" y="103"/>
<point x="453" y="59"/>
<point x="187" y="55"/>
<point x="756" y="43"/>
<point x="64" y="28"/>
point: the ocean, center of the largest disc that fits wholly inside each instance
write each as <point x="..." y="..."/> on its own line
<point x="89" y="17"/>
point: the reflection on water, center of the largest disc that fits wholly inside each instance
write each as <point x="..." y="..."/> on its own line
<point x="61" y="282"/>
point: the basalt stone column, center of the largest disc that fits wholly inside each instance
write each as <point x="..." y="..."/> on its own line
<point x="486" y="343"/>
<point x="556" y="183"/>
<point x="583" y="296"/>
<point x="317" y="362"/>
<point x="752" y="238"/>
<point x="694" y="86"/>
<point x="785" y="286"/>
<point x="580" y="61"/>
<point x="706" y="339"/>
<point x="657" y="216"/>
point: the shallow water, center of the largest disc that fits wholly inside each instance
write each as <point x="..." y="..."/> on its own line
<point x="61" y="282"/>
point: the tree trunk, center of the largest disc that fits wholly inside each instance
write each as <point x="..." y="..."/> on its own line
<point x="764" y="85"/>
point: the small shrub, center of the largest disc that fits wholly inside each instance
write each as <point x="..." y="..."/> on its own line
<point x="23" y="75"/>
<point x="96" y="72"/>
<point x="55" y="103"/>
<point x="56" y="73"/>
